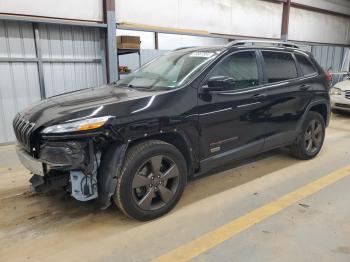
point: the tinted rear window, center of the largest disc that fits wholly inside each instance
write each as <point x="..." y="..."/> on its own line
<point x="306" y="66"/>
<point x="279" y="66"/>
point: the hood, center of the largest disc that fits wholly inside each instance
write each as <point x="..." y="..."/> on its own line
<point x="344" y="85"/>
<point x="92" y="102"/>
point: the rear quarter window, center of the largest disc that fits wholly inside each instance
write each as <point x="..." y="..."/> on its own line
<point x="306" y="66"/>
<point x="279" y="66"/>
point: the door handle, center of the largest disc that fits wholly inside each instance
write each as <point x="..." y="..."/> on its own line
<point x="304" y="87"/>
<point x="259" y="96"/>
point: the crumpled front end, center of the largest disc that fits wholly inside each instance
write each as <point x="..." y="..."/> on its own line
<point x="71" y="165"/>
<point x="74" y="162"/>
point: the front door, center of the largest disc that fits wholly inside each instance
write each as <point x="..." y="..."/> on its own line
<point x="232" y="122"/>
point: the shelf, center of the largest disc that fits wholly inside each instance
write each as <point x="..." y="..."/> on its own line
<point x="126" y="51"/>
<point x="122" y="51"/>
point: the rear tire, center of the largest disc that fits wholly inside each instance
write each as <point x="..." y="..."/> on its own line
<point x="311" y="137"/>
<point x="152" y="180"/>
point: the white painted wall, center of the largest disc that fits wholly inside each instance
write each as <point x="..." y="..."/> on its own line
<point x="249" y="18"/>
<point x="256" y="18"/>
<point x="316" y="27"/>
<point x="170" y="42"/>
<point x="232" y="17"/>
<point x="70" y="9"/>
<point x="340" y="6"/>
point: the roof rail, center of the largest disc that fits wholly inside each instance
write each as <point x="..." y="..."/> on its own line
<point x="185" y="47"/>
<point x="262" y="42"/>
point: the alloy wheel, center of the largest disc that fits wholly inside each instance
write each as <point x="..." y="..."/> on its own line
<point x="155" y="183"/>
<point x="313" y="136"/>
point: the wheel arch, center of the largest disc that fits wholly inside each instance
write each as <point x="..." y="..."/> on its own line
<point x="320" y="106"/>
<point x="114" y="155"/>
<point x="180" y="141"/>
<point x="323" y="108"/>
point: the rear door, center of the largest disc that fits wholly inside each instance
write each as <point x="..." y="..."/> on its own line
<point x="288" y="95"/>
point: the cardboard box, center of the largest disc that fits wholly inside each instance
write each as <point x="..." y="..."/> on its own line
<point x="128" y="42"/>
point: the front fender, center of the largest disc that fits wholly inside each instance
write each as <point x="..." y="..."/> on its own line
<point x="108" y="172"/>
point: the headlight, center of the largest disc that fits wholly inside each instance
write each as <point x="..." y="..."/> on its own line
<point x="82" y="125"/>
<point x="335" y="91"/>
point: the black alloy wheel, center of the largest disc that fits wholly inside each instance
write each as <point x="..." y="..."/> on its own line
<point x="313" y="136"/>
<point x="155" y="183"/>
<point x="152" y="180"/>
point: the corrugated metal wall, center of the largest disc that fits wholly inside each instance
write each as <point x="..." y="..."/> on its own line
<point x="71" y="43"/>
<point x="72" y="59"/>
<point x="329" y="57"/>
<point x="19" y="83"/>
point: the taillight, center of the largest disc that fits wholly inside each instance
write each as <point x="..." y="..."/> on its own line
<point x="329" y="76"/>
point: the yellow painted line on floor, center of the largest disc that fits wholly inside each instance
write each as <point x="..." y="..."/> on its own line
<point x="213" y="238"/>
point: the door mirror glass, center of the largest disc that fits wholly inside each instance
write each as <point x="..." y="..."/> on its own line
<point x="220" y="83"/>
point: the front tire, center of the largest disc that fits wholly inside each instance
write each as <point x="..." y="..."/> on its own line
<point x="152" y="180"/>
<point x="311" y="137"/>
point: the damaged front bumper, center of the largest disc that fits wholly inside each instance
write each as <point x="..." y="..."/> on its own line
<point x="32" y="164"/>
<point x="77" y="166"/>
<point x="71" y="165"/>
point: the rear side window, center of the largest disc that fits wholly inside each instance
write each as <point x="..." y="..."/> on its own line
<point x="241" y="67"/>
<point x="306" y="66"/>
<point x="279" y="66"/>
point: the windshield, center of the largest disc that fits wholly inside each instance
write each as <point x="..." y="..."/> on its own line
<point x="169" y="71"/>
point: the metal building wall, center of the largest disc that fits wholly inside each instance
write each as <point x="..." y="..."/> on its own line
<point x="19" y="83"/>
<point x="75" y="53"/>
<point x="72" y="58"/>
<point x="329" y="57"/>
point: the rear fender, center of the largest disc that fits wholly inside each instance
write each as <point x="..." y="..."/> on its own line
<point x="308" y="109"/>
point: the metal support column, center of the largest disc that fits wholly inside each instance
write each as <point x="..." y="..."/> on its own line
<point x="156" y="41"/>
<point x="285" y="20"/>
<point x="39" y="61"/>
<point x="111" y="43"/>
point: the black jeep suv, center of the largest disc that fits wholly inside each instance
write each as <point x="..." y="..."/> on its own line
<point x="136" y="141"/>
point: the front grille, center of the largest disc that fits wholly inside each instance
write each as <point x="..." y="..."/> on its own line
<point x="347" y="94"/>
<point x="23" y="130"/>
<point x="342" y="105"/>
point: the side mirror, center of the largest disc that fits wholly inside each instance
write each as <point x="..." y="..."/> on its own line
<point x="219" y="83"/>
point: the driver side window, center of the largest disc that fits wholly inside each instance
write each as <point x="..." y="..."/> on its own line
<point x="241" y="67"/>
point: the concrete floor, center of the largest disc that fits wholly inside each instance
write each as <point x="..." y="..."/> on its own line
<point x="53" y="226"/>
